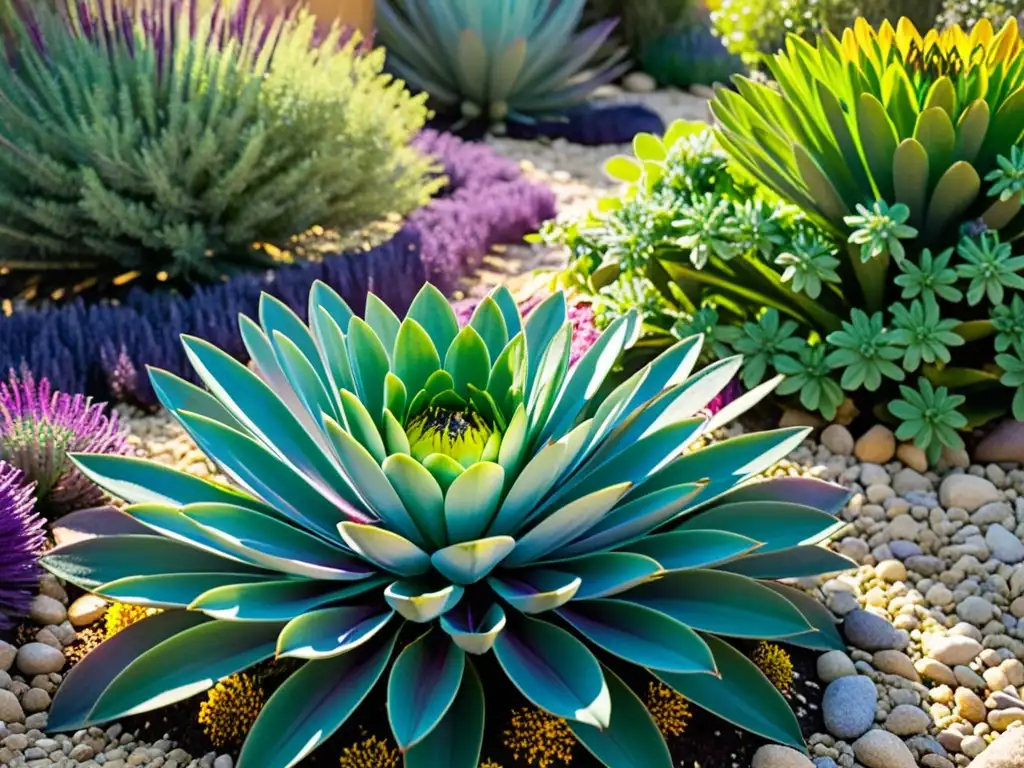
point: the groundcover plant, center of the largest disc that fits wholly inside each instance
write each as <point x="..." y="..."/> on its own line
<point x="447" y="497"/>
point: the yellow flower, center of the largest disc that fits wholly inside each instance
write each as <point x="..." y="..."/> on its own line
<point x="539" y="738"/>
<point x="121" y="615"/>
<point x="371" y="752"/>
<point x="668" y="708"/>
<point x="231" y="708"/>
<point x="775" y="663"/>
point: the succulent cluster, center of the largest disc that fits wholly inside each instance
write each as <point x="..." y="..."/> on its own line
<point x="166" y="137"/>
<point x="21" y="544"/>
<point x="930" y="336"/>
<point x="688" y="57"/>
<point x="505" y="60"/>
<point x="410" y="489"/>
<point x="39" y="427"/>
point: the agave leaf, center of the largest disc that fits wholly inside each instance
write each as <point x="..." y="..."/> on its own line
<point x="535" y="590"/>
<point x="174" y="524"/>
<point x="632" y="740"/>
<point x="329" y="632"/>
<point x="900" y="100"/>
<point x="89" y="563"/>
<point x="360" y="426"/>
<point x="566" y="523"/>
<point x="721" y="603"/>
<point x="467" y="361"/>
<point x="472" y="500"/>
<point x="275" y="545"/>
<point x="185" y="664"/>
<point x="1004" y="129"/>
<point x="419" y="493"/>
<point x="554" y="671"/>
<point x="414" y="601"/>
<point x="172" y="590"/>
<point x="469" y="561"/>
<point x="507" y="381"/>
<point x="640" y="635"/>
<point x="422" y="687"/>
<point x="779" y="525"/>
<point x="796" y="562"/>
<point x="531" y="485"/>
<point x="302" y="377"/>
<point x="827" y="198"/>
<point x="141" y="481"/>
<point x="934" y="131"/>
<point x="445" y="469"/>
<point x="267" y="600"/>
<point x="388" y="550"/>
<point x="330" y="340"/>
<point x="540" y="329"/>
<point x="489" y="322"/>
<point x="455" y="742"/>
<point x="313" y="703"/>
<point x="742" y="404"/>
<point x="550" y="379"/>
<point x="415" y="357"/>
<point x="175" y="394"/>
<point x="878" y="140"/>
<point x="825" y="636"/>
<point x="910" y="172"/>
<point x="605" y="574"/>
<point x="509" y="310"/>
<point x="474" y="633"/>
<point x="808" y="491"/>
<point x="74" y="700"/>
<point x="383" y="321"/>
<point x="277" y="317"/>
<point x="322" y="296"/>
<point x="683" y="550"/>
<point x="852" y="175"/>
<point x="970" y="131"/>
<point x="741" y="694"/>
<point x="94" y="522"/>
<point x="955" y="193"/>
<point x="368" y="360"/>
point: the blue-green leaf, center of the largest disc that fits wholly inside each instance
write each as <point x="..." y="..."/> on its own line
<point x="388" y="550"/>
<point x="535" y="590"/>
<point x="682" y="550"/>
<point x="333" y="631"/>
<point x="369" y="363"/>
<point x="778" y="525"/>
<point x="275" y="600"/>
<point x="419" y="493"/>
<point x="472" y="500"/>
<point x="422" y="687"/>
<point x="474" y="632"/>
<point x="383" y="321"/>
<point x="414" y="601"/>
<point x="456" y="741"/>
<point x="432" y="311"/>
<point x="793" y="563"/>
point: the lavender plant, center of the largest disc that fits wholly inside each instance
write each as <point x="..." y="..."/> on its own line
<point x="39" y="427"/>
<point x="21" y="544"/>
<point x="168" y="136"/>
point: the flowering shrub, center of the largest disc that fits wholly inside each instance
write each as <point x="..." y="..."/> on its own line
<point x="21" y="544"/>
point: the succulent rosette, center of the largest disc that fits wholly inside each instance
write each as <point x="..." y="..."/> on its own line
<point x="410" y="489"/>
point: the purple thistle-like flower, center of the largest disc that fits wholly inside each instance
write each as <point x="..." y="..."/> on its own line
<point x="21" y="543"/>
<point x="39" y="427"/>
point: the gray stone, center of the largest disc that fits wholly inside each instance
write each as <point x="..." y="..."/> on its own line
<point x="967" y="492"/>
<point x="1004" y="443"/>
<point x="907" y="720"/>
<point x="7" y="654"/>
<point x="775" y="756"/>
<point x="974" y="609"/>
<point x="835" y="664"/>
<point x="907" y="481"/>
<point x="10" y="708"/>
<point x="39" y="659"/>
<point x="926" y="565"/>
<point x="870" y="632"/>
<point x="1006" y="752"/>
<point x="902" y="549"/>
<point x="46" y="610"/>
<point x="837" y="439"/>
<point x="825" y="762"/>
<point x="952" y="650"/>
<point x="849" y="705"/>
<point x="881" y="749"/>
<point x="1004" y="545"/>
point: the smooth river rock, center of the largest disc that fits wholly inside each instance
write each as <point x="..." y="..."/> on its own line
<point x="849" y="706"/>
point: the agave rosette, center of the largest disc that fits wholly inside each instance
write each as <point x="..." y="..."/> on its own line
<point x="397" y="500"/>
<point x="500" y="60"/>
<point x="887" y="115"/>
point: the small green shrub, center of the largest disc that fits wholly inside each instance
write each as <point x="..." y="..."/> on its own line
<point x="175" y="144"/>
<point x="699" y="247"/>
<point x="692" y="56"/>
<point x="643" y="21"/>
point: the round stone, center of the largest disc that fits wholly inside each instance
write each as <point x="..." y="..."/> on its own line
<point x="913" y="457"/>
<point x="837" y="439"/>
<point x="1005" y="752"/>
<point x="835" y="664"/>
<point x="952" y="650"/>
<point x="46" y="610"/>
<point x="877" y="445"/>
<point x="972" y="745"/>
<point x="1004" y="545"/>
<point x="967" y="492"/>
<point x="775" y="756"/>
<point x="975" y="610"/>
<point x="7" y="654"/>
<point x="848" y="707"/>
<point x="1001" y="719"/>
<point x="86" y="610"/>
<point x="35" y="700"/>
<point x="869" y="632"/>
<point x="907" y="720"/>
<point x="895" y="663"/>
<point x="969" y="705"/>
<point x="881" y="749"/>
<point x="10" y="708"/>
<point x="891" y="571"/>
<point x="39" y="659"/>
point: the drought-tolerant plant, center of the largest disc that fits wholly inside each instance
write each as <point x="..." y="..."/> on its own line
<point x="408" y="489"/>
<point x="688" y="57"/>
<point x="642" y="21"/>
<point x="517" y="60"/>
<point x="167" y="138"/>
<point x="21" y="543"/>
<point x="967" y="13"/>
<point x="39" y="427"/>
<point x="697" y="245"/>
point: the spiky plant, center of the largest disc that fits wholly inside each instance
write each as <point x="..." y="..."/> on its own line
<point x="410" y="489"/>
<point x="688" y="57"/>
<point x="39" y="427"/>
<point x="171" y="135"/>
<point x="501" y="60"/>
<point x="21" y="544"/>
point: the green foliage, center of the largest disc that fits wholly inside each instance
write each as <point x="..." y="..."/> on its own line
<point x="696" y="246"/>
<point x="930" y="418"/>
<point x="173" y="147"/>
<point x="591" y="519"/>
<point x="693" y="56"/>
<point x="967" y="13"/>
<point x="641" y="22"/>
<point x="501" y="60"/>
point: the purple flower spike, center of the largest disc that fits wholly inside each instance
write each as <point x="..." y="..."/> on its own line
<point x="21" y="544"/>
<point x="39" y="427"/>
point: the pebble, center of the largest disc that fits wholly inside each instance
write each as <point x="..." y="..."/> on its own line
<point x="1006" y="752"/>
<point x="907" y="720"/>
<point x="973" y="745"/>
<point x="895" y="663"/>
<point x="877" y="445"/>
<point x="1001" y="719"/>
<point x="834" y="664"/>
<point x="891" y="571"/>
<point x="1004" y="545"/>
<point x="913" y="457"/>
<point x="46" y="610"/>
<point x="1004" y="443"/>
<point x="953" y="649"/>
<point x="974" y="609"/>
<point x="774" y="756"/>
<point x="35" y="700"/>
<point x="635" y="82"/>
<point x="10" y="708"/>
<point x="968" y="492"/>
<point x="881" y="749"/>
<point x="969" y="705"/>
<point x="86" y="610"/>
<point x="848" y="707"/>
<point x="39" y="659"/>
<point x="837" y="439"/>
<point x="7" y="654"/>
<point x="870" y="632"/>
